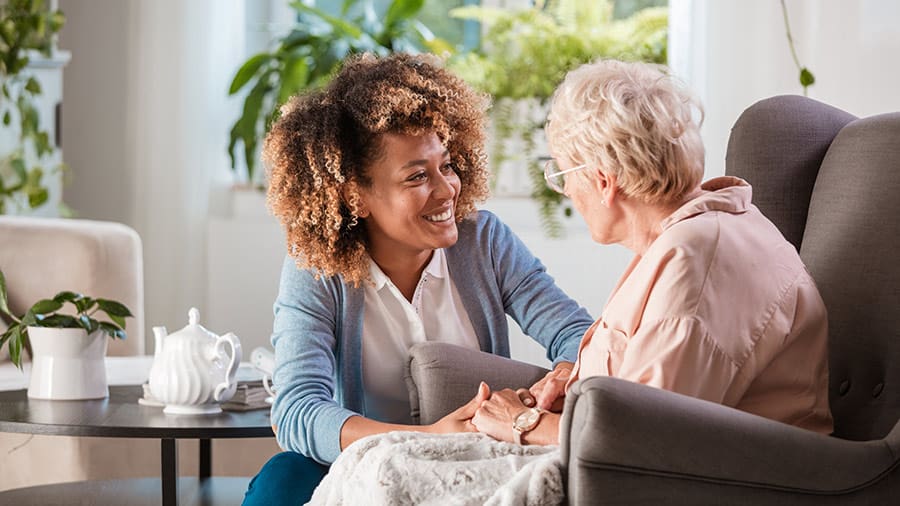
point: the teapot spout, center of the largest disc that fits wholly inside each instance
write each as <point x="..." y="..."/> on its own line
<point x="159" y="333"/>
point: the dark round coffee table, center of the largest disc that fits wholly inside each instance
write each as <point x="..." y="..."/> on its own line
<point x="120" y="415"/>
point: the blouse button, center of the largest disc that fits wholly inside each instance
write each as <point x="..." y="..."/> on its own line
<point x="877" y="390"/>
<point x="844" y="388"/>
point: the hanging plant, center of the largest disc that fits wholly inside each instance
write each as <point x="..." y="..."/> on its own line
<point x="27" y="27"/>
<point x="807" y="78"/>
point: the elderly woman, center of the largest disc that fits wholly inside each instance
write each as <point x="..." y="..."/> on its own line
<point x="716" y="304"/>
<point x="375" y="180"/>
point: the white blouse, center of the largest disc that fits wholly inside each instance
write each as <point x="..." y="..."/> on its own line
<point x="391" y="324"/>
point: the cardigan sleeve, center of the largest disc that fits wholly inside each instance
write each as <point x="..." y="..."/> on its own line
<point x="532" y="298"/>
<point x="305" y="414"/>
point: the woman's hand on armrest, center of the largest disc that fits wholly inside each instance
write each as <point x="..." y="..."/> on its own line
<point x="550" y="391"/>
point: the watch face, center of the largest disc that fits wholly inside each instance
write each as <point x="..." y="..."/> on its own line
<point x="528" y="419"/>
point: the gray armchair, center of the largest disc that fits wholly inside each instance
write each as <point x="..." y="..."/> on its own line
<point x="831" y="183"/>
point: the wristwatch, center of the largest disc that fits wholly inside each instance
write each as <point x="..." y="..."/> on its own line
<point x="526" y="421"/>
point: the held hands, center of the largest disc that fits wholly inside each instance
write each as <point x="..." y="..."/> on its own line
<point x="461" y="419"/>
<point x="549" y="393"/>
<point x="493" y="413"/>
<point x="496" y="414"/>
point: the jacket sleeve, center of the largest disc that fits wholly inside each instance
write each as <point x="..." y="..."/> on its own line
<point x="530" y="296"/>
<point x="305" y="414"/>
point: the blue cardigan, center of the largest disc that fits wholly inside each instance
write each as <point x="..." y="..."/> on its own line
<point x="318" y="324"/>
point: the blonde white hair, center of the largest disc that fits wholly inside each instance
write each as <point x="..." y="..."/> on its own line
<point x="632" y="120"/>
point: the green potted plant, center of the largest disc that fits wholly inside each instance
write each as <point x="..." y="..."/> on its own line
<point x="309" y="54"/>
<point x="526" y="53"/>
<point x="68" y="350"/>
<point x="27" y="28"/>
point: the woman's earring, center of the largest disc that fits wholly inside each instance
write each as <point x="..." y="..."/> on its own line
<point x="602" y="202"/>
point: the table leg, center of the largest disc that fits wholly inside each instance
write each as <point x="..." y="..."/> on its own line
<point x="169" y="474"/>
<point x="205" y="459"/>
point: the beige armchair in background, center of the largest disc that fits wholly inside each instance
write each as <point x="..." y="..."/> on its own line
<point x="43" y="256"/>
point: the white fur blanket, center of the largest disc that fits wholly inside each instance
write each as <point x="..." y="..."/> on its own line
<point x="445" y="469"/>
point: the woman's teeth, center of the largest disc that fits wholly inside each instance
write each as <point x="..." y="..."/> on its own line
<point x="446" y="215"/>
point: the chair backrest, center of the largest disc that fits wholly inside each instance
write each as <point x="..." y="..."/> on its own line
<point x="43" y="256"/>
<point x="831" y="183"/>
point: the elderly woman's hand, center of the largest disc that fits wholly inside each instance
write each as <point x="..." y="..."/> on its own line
<point x="461" y="419"/>
<point x="549" y="393"/>
<point x="496" y="415"/>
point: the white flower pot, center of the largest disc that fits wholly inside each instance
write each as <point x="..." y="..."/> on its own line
<point x="68" y="364"/>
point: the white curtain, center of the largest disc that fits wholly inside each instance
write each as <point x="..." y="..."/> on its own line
<point x="182" y="57"/>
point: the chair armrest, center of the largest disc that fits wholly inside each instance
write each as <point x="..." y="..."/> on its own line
<point x="442" y="377"/>
<point x="659" y="440"/>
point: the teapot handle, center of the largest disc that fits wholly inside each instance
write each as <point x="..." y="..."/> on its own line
<point x="226" y="389"/>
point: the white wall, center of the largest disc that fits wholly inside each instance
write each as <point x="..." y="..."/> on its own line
<point x="146" y="118"/>
<point x="735" y="52"/>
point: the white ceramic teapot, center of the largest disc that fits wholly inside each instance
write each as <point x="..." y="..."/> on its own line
<point x="191" y="372"/>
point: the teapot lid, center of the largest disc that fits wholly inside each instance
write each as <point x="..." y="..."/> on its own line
<point x="193" y="328"/>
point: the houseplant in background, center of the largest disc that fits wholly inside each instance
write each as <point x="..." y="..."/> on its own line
<point x="27" y="27"/>
<point x="68" y="349"/>
<point x="526" y="53"/>
<point x="308" y="55"/>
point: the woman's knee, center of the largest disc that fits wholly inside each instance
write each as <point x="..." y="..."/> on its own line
<point x="287" y="478"/>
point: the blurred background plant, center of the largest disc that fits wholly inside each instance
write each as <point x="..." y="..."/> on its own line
<point x="525" y="54"/>
<point x="518" y="56"/>
<point x="307" y="56"/>
<point x="27" y="30"/>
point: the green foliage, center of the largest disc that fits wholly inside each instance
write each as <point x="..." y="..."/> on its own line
<point x="310" y="54"/>
<point x="45" y="313"/>
<point x="526" y="53"/>
<point x="26" y="26"/>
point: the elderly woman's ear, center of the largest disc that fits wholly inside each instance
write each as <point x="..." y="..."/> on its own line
<point x="604" y="185"/>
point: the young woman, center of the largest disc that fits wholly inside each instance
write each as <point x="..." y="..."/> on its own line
<point x="375" y="179"/>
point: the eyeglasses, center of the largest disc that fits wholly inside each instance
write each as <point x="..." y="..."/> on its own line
<point x="552" y="174"/>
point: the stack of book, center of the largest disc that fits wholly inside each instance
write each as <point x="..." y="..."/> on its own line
<point x="250" y="393"/>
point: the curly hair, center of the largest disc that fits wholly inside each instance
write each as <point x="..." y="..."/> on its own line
<point x="632" y="120"/>
<point x="320" y="148"/>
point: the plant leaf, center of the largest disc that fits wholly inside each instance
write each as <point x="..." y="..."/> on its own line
<point x="248" y="70"/>
<point x="45" y="306"/>
<point x="4" y="302"/>
<point x="294" y="78"/>
<point x="59" y="321"/>
<point x="806" y="77"/>
<point x="6" y="335"/>
<point x="113" y="308"/>
<point x="87" y="323"/>
<point x="401" y="10"/>
<point x="112" y="330"/>
<point x="33" y="86"/>
<point x="15" y="347"/>
<point x="67" y="296"/>
<point x="84" y="303"/>
<point x="120" y="321"/>
<point x="336" y="23"/>
<point x="37" y="197"/>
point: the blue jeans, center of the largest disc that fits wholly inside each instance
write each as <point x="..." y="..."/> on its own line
<point x="287" y="478"/>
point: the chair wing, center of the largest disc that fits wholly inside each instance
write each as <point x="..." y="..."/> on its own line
<point x="43" y="256"/>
